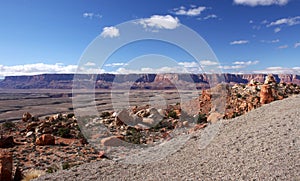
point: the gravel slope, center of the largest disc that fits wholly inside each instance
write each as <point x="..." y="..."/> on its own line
<point x="261" y="145"/>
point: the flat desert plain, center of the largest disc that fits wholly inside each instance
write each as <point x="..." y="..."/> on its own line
<point x="45" y="102"/>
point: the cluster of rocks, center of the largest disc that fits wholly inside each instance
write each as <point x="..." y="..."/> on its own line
<point x="46" y="144"/>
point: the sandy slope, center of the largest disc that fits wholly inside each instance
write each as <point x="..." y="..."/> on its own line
<point x="262" y="145"/>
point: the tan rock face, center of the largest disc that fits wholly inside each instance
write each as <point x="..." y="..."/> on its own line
<point x="270" y="79"/>
<point x="112" y="141"/>
<point x="6" y="165"/>
<point x="214" y="117"/>
<point x="266" y="95"/>
<point x="26" y="116"/>
<point x="45" y="139"/>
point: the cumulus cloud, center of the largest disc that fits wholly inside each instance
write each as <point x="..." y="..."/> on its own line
<point x="89" y="64"/>
<point x="208" y="63"/>
<point x="91" y="15"/>
<point x="110" y="32"/>
<point x="279" y="70"/>
<point x="239" y="42"/>
<point x="270" y="41"/>
<point x="175" y="69"/>
<point x="246" y="62"/>
<point x="229" y="67"/>
<point x="283" y="47"/>
<point x="160" y="22"/>
<point x="286" y="21"/>
<point x="239" y="65"/>
<point x="276" y="30"/>
<point x="297" y="45"/>
<point x="211" y="16"/>
<point x="193" y="11"/>
<point x="38" y="68"/>
<point x="115" y="64"/>
<point x="188" y="64"/>
<point x="261" y="2"/>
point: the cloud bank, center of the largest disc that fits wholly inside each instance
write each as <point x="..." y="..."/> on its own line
<point x="261" y="2"/>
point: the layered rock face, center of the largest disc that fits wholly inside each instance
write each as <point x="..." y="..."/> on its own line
<point x="135" y="81"/>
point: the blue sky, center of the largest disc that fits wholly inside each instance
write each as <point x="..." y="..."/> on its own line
<point x="247" y="36"/>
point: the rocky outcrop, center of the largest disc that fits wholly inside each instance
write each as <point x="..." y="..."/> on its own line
<point x="6" y="166"/>
<point x="135" y="81"/>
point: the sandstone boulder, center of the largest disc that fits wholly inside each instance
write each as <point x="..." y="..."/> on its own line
<point x="214" y="117"/>
<point x="113" y="141"/>
<point x="26" y="116"/>
<point x="270" y="79"/>
<point x="6" y="166"/>
<point x="45" y="139"/>
<point x="266" y="94"/>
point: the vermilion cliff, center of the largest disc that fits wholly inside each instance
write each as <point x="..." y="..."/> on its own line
<point x="134" y="81"/>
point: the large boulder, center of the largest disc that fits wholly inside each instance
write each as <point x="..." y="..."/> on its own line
<point x="26" y="116"/>
<point x="45" y="139"/>
<point x="126" y="118"/>
<point x="6" y="166"/>
<point x="266" y="94"/>
<point x="270" y="79"/>
<point x="113" y="141"/>
<point x="214" y="117"/>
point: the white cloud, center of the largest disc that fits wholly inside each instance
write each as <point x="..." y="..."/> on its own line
<point x="227" y="67"/>
<point x="279" y="70"/>
<point x="261" y="2"/>
<point x="211" y="16"/>
<point x="110" y="32"/>
<point x="91" y="15"/>
<point x="175" y="69"/>
<point x="297" y="45"/>
<point x="89" y="64"/>
<point x="287" y="21"/>
<point x="88" y="15"/>
<point x="283" y="47"/>
<point x="239" y="65"/>
<point x="208" y="63"/>
<point x="276" y="30"/>
<point x="251" y="21"/>
<point x="115" y="64"/>
<point x="38" y="68"/>
<point x="246" y="63"/>
<point x="160" y="22"/>
<point x="194" y="11"/>
<point x="188" y="64"/>
<point x="239" y="42"/>
<point x="270" y="41"/>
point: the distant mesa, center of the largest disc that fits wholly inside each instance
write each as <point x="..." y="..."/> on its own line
<point x="135" y="81"/>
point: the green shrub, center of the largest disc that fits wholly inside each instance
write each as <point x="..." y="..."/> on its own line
<point x="105" y="114"/>
<point x="201" y="118"/>
<point x="65" y="165"/>
<point x="172" y="114"/>
<point x="63" y="132"/>
<point x="133" y="136"/>
<point x="8" y="125"/>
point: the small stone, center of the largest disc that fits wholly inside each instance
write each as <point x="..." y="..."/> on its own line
<point x="26" y="116"/>
<point x="113" y="141"/>
<point x="214" y="117"/>
<point x="30" y="133"/>
<point x="185" y="123"/>
<point x="45" y="139"/>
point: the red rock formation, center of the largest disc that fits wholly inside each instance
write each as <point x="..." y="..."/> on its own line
<point x="266" y="94"/>
<point x="45" y="139"/>
<point x="6" y="165"/>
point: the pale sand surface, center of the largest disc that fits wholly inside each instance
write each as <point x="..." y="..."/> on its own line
<point x="261" y="145"/>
